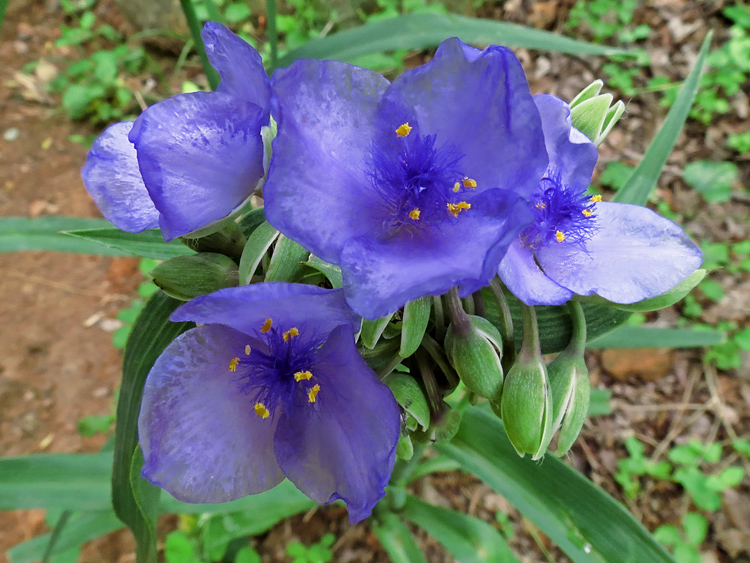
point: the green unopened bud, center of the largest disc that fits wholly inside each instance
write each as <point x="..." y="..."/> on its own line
<point x="526" y="407"/>
<point x="571" y="394"/>
<point x="186" y="277"/>
<point x="593" y="114"/>
<point x="476" y="355"/>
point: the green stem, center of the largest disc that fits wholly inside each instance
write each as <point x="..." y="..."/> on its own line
<point x="506" y="322"/>
<point x="479" y="307"/>
<point x="437" y="308"/>
<point x="459" y="318"/>
<point x="401" y="474"/>
<point x="434" y="396"/>
<point x="530" y="346"/>
<point x="384" y="372"/>
<point x="578" y="338"/>
<point x="3" y="7"/>
<point x="195" y="31"/>
<point x="213" y="11"/>
<point x="438" y="356"/>
<point x="272" y="33"/>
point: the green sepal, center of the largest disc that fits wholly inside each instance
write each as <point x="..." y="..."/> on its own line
<point x="405" y="447"/>
<point x="187" y="277"/>
<point x="372" y="330"/>
<point x="226" y="237"/>
<point x="414" y="324"/>
<point x="588" y="117"/>
<point x="287" y="262"/>
<point x="674" y="295"/>
<point x="257" y="245"/>
<point x="526" y="407"/>
<point x="571" y="394"/>
<point x="410" y="397"/>
<point x="330" y="271"/>
<point x="588" y="92"/>
<point x="476" y="356"/>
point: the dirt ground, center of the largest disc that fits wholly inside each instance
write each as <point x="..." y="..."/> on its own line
<point x="57" y="363"/>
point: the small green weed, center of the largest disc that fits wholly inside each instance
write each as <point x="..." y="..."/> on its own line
<point x="607" y="19"/>
<point x="637" y="465"/>
<point x="319" y="552"/>
<point x="685" y="541"/>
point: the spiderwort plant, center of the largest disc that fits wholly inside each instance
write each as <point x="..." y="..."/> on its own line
<point x="190" y="161"/>
<point x="271" y="385"/>
<point x="579" y="244"/>
<point x="412" y="187"/>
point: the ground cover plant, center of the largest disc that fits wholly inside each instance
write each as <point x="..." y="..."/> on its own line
<point x="461" y="435"/>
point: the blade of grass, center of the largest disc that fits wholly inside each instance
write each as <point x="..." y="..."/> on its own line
<point x="641" y="183"/>
<point x="195" y="31"/>
<point x="272" y="33"/>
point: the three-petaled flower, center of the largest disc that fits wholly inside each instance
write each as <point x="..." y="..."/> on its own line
<point x="412" y="187"/>
<point x="270" y="385"/>
<point x="192" y="160"/>
<point x="579" y="244"/>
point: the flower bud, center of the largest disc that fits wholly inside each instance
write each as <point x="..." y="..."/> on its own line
<point x="186" y="277"/>
<point x="526" y="407"/>
<point x="591" y="114"/>
<point x="571" y="394"/>
<point x="475" y="354"/>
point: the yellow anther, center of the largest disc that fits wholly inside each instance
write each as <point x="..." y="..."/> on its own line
<point x="560" y="236"/>
<point x="233" y="363"/>
<point x="261" y="410"/>
<point x="404" y="130"/>
<point x="469" y="183"/>
<point x="596" y="198"/>
<point x="457" y="187"/>
<point x="291" y="333"/>
<point x="414" y="214"/>
<point x="541" y="206"/>
<point x="312" y="394"/>
<point x="457" y="208"/>
<point x="248" y="349"/>
<point x="302" y="375"/>
<point x="587" y="213"/>
<point x="266" y="325"/>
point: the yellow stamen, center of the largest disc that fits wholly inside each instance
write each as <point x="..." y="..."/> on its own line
<point x="596" y="198"/>
<point x="248" y="349"/>
<point x="469" y="183"/>
<point x="414" y="214"/>
<point x="587" y="213"/>
<point x="300" y="375"/>
<point x="233" y="364"/>
<point x="404" y="130"/>
<point x="457" y="208"/>
<point x="262" y="411"/>
<point x="560" y="236"/>
<point x="266" y="325"/>
<point x="312" y="394"/>
<point x="457" y="187"/>
<point x="291" y="333"/>
<point x="541" y="206"/>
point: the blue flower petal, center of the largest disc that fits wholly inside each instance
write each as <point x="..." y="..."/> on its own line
<point x="113" y="180"/>
<point x="201" y="156"/>
<point x="521" y="274"/>
<point x="317" y="191"/>
<point x="201" y="439"/>
<point x="481" y="103"/>
<point x="572" y="155"/>
<point x="635" y="255"/>
<point x="238" y="64"/>
<point x="342" y="446"/>
<point x="382" y="274"/>
<point x="247" y="307"/>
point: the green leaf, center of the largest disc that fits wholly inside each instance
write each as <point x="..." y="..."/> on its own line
<point x="434" y="465"/>
<point x="555" y="326"/>
<point x="424" y="31"/>
<point x="287" y="262"/>
<point x="732" y="476"/>
<point x="712" y="290"/>
<point x="55" y="481"/>
<point x="178" y="548"/>
<point x="20" y="233"/>
<point x="469" y="539"/>
<point x="650" y="337"/>
<point x="644" y="178"/>
<point x="148" y="244"/>
<point x="135" y="500"/>
<point x="247" y="555"/>
<point x="397" y="539"/>
<point x="81" y="528"/>
<point x="674" y="295"/>
<point x="713" y="180"/>
<point x="668" y="535"/>
<point x="416" y="317"/>
<point x="696" y="528"/>
<point x="372" y="330"/>
<point x="257" y="245"/>
<point x="410" y="396"/>
<point x="330" y="271"/>
<point x="588" y="524"/>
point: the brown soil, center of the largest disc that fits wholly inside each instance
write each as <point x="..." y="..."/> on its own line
<point x="57" y="363"/>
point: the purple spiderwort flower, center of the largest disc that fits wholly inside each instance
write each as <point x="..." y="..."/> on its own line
<point x="271" y="385"/>
<point x="411" y="187"/>
<point x="581" y="245"/>
<point x="189" y="161"/>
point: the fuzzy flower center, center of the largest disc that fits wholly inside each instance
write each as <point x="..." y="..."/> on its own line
<point x="421" y="183"/>
<point x="561" y="214"/>
<point x="276" y="370"/>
